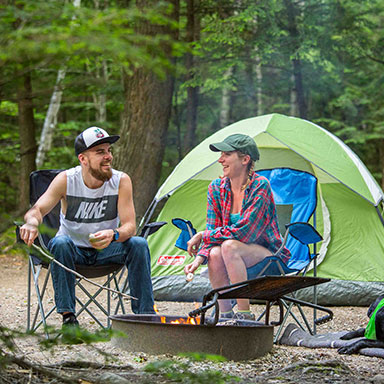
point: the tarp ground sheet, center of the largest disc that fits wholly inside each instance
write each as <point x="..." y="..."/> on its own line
<point x="295" y="336"/>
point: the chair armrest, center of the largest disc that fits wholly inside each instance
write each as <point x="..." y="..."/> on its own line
<point x="151" y="228"/>
<point x="18" y="224"/>
<point x="304" y="232"/>
<point x="187" y="231"/>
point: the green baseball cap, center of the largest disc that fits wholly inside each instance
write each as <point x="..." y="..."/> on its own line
<point x="237" y="142"/>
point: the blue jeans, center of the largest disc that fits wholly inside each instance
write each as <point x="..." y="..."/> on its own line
<point x="134" y="253"/>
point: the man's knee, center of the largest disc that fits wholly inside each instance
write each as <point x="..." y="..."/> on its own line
<point x="137" y="247"/>
<point x="60" y="246"/>
<point x="137" y="241"/>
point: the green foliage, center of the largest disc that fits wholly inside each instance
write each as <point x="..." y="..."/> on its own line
<point x="245" y="48"/>
<point x="7" y="237"/>
<point x="39" y="31"/>
<point x="71" y="335"/>
<point x="183" y="371"/>
<point x="67" y="335"/>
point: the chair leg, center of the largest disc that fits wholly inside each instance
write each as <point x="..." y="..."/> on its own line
<point x="109" y="302"/>
<point x="29" y="297"/>
<point x="120" y="302"/>
<point x="288" y="313"/>
<point x="36" y="272"/>
<point x="90" y="313"/>
<point x="92" y="299"/>
<point x="34" y="326"/>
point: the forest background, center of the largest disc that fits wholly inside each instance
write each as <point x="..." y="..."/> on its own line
<point x="167" y="74"/>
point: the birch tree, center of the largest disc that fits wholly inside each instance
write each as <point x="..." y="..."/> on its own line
<point x="50" y="120"/>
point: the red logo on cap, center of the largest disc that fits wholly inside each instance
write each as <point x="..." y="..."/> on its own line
<point x="99" y="134"/>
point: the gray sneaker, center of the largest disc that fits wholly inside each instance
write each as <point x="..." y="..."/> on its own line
<point x="209" y="320"/>
<point x="244" y="316"/>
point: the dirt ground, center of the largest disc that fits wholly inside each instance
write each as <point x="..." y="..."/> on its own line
<point x="283" y="364"/>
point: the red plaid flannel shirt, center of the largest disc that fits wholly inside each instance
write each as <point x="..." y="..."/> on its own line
<point x="257" y="223"/>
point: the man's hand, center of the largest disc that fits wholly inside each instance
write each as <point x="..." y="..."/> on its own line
<point x="194" y="244"/>
<point x="101" y="239"/>
<point x="28" y="233"/>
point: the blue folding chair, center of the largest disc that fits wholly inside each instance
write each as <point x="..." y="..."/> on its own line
<point x="295" y="194"/>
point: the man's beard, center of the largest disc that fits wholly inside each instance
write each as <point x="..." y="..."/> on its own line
<point x="99" y="174"/>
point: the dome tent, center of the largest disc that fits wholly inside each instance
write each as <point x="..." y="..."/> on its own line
<point x="348" y="214"/>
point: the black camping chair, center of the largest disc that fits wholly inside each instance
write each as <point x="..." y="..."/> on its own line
<point x="39" y="182"/>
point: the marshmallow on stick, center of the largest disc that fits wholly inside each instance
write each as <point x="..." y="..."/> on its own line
<point x="189" y="277"/>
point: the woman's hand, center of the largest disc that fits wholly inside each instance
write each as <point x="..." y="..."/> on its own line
<point x="194" y="243"/>
<point x="191" y="268"/>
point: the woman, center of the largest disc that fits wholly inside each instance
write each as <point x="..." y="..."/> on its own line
<point x="242" y="228"/>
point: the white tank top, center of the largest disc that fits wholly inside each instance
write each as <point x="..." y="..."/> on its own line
<point x="89" y="210"/>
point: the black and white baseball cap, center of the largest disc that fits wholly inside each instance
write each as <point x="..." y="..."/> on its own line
<point x="91" y="137"/>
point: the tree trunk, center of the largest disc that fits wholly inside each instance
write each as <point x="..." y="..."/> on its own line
<point x="27" y="139"/>
<point x="100" y="100"/>
<point x="225" y="110"/>
<point x="292" y="11"/>
<point x="299" y="87"/>
<point x="192" y="34"/>
<point x="148" y="102"/>
<point x="177" y="121"/>
<point x="253" y="86"/>
<point x="293" y="98"/>
<point x="50" y="120"/>
<point x="259" y="90"/>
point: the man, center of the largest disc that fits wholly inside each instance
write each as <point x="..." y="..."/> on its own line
<point x="97" y="223"/>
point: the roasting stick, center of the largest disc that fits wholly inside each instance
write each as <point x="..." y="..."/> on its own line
<point x="81" y="276"/>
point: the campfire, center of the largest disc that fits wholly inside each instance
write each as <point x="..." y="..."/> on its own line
<point x="181" y="320"/>
<point x="160" y="334"/>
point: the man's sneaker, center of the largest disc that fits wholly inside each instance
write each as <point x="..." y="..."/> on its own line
<point x="244" y="316"/>
<point x="69" y="319"/>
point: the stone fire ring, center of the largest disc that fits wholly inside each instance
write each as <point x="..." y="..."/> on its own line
<point x="146" y="333"/>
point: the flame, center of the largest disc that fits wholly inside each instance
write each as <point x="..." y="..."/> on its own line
<point x="189" y="320"/>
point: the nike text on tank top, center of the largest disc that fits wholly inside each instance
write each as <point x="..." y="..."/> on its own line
<point x="89" y="210"/>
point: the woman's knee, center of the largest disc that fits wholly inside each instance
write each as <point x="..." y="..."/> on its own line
<point x="215" y="255"/>
<point x="229" y="249"/>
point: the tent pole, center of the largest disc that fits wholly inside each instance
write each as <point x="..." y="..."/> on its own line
<point x="379" y="213"/>
<point x="314" y="274"/>
<point x="147" y="216"/>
